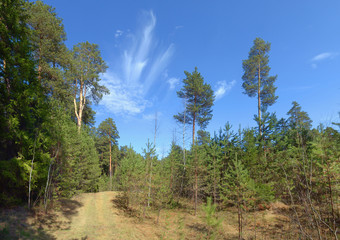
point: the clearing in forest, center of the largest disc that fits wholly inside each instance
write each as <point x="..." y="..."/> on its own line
<point x="100" y="216"/>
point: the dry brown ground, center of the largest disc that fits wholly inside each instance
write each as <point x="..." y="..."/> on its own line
<point x="100" y="216"/>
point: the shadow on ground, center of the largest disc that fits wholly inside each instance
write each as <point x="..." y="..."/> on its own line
<point x="19" y="223"/>
<point x="14" y="225"/>
<point x="119" y="202"/>
<point x="69" y="207"/>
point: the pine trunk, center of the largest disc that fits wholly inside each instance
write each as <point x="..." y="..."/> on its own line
<point x="214" y="187"/>
<point x="259" y="100"/>
<point x="82" y="100"/>
<point x="185" y="109"/>
<point x="239" y="213"/>
<point x="196" y="181"/>
<point x="196" y="188"/>
<point x="110" y="168"/>
<point x="196" y="162"/>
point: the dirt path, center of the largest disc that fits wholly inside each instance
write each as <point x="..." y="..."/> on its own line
<point x="96" y="218"/>
<point x="100" y="216"/>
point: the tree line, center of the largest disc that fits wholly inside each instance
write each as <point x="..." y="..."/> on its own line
<point x="50" y="149"/>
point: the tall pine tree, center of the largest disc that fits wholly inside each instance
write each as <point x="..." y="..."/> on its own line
<point x="256" y="79"/>
<point x="108" y="135"/>
<point x="85" y="74"/>
<point x="199" y="100"/>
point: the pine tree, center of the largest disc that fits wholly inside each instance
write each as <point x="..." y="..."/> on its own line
<point x="214" y="168"/>
<point x="77" y="167"/>
<point x="162" y="192"/>
<point x="213" y="223"/>
<point x="47" y="37"/>
<point x="23" y="109"/>
<point x="149" y="157"/>
<point x="199" y="100"/>
<point x="132" y="173"/>
<point x="298" y="119"/>
<point x="256" y="79"/>
<point x="87" y="65"/>
<point x="108" y="135"/>
<point x="175" y="168"/>
<point x="238" y="189"/>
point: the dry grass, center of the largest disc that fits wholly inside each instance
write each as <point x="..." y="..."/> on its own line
<point x="103" y="216"/>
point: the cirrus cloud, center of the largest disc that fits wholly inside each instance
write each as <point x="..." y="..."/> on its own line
<point x="223" y="87"/>
<point x="139" y="67"/>
<point x="323" y="56"/>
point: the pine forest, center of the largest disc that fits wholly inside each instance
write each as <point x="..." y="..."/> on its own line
<point x="63" y="175"/>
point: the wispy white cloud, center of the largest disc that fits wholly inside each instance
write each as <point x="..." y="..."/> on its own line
<point x="223" y="88"/>
<point x="321" y="57"/>
<point x="139" y="67"/>
<point x="123" y="99"/>
<point x="173" y="82"/>
<point x="158" y="66"/>
<point x="118" y="33"/>
<point x="324" y="56"/>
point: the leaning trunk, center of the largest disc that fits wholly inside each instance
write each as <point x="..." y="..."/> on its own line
<point x="82" y="100"/>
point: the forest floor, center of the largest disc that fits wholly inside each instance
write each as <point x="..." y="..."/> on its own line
<point x="100" y="216"/>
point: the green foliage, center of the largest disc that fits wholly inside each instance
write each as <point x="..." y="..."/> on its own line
<point x="285" y="159"/>
<point x="132" y="174"/>
<point x="23" y="108"/>
<point x="238" y="185"/>
<point x="213" y="223"/>
<point x="107" y="130"/>
<point x="203" y="137"/>
<point x="214" y="168"/>
<point x="47" y="37"/>
<point x="87" y="65"/>
<point x="173" y="170"/>
<point x="106" y="143"/>
<point x="256" y="79"/>
<point x="79" y="161"/>
<point x="298" y="119"/>
<point x="199" y="98"/>
<point x="162" y="192"/>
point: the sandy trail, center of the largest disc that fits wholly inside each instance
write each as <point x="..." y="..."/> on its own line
<point x="96" y="218"/>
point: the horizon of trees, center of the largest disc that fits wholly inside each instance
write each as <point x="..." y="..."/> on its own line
<point x="50" y="149"/>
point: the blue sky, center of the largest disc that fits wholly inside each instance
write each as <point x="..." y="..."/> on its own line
<point x="149" y="44"/>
